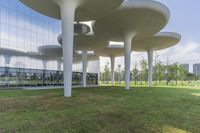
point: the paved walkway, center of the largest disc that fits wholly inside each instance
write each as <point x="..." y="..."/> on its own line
<point x="51" y="87"/>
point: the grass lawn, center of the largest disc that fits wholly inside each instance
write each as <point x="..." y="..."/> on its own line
<point x="101" y="110"/>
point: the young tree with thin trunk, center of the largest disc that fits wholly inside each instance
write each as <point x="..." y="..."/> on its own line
<point x="144" y="70"/>
<point x="135" y="73"/>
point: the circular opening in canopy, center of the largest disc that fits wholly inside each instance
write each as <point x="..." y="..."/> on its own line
<point x="81" y="28"/>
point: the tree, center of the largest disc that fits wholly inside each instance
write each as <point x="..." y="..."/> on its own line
<point x="119" y="76"/>
<point x="135" y="73"/>
<point x="159" y="71"/>
<point x="190" y="76"/>
<point x="144" y="70"/>
<point x="106" y="73"/>
<point x="167" y="70"/>
<point x="183" y="74"/>
<point x="175" y="69"/>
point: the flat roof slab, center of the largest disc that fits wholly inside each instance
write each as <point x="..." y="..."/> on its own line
<point x="159" y="41"/>
<point x="86" y="10"/>
<point x="87" y="42"/>
<point x="108" y="52"/>
<point x="11" y="52"/>
<point x="139" y="17"/>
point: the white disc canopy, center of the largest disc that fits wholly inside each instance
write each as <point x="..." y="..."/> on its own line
<point x="51" y="51"/>
<point x="133" y="20"/>
<point x="45" y="57"/>
<point x="141" y="18"/>
<point x="80" y="28"/>
<point x="159" y="41"/>
<point x="110" y="52"/>
<point x="78" y="58"/>
<point x="85" y="9"/>
<point x="54" y="52"/>
<point x="9" y="53"/>
<point x="87" y="42"/>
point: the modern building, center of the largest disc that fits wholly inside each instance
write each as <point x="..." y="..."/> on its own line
<point x="196" y="69"/>
<point x="186" y="67"/>
<point x="24" y="29"/>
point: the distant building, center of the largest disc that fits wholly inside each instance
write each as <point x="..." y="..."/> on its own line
<point x="185" y="67"/>
<point x="196" y="69"/>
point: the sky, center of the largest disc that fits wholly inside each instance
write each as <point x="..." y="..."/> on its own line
<point x="185" y="20"/>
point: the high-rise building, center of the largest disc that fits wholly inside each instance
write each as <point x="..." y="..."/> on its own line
<point x="185" y="67"/>
<point x="196" y="69"/>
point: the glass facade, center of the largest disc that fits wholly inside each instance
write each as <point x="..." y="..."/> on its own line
<point x="21" y="77"/>
<point x="24" y="29"/>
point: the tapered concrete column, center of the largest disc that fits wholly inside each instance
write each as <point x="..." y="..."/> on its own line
<point x="84" y="67"/>
<point x="7" y="65"/>
<point x="112" y="60"/>
<point x="59" y="65"/>
<point x="127" y="50"/>
<point x="7" y="60"/>
<point x="44" y="63"/>
<point x="67" y="8"/>
<point x="99" y="71"/>
<point x="150" y="66"/>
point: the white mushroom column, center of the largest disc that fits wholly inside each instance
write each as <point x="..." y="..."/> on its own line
<point x="84" y="67"/>
<point x="127" y="61"/>
<point x="99" y="71"/>
<point x="150" y="66"/>
<point x="7" y="60"/>
<point x="44" y="63"/>
<point x="7" y="64"/>
<point x="67" y="8"/>
<point x="59" y="63"/>
<point x="112" y="60"/>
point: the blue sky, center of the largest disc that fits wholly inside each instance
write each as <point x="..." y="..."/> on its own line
<point x="184" y="19"/>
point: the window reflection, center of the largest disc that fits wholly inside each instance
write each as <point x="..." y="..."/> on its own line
<point x="24" y="29"/>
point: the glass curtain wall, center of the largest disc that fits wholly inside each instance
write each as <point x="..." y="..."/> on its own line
<point x="24" y="29"/>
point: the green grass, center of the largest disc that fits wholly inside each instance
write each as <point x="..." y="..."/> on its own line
<point x="101" y="110"/>
<point x="162" y="84"/>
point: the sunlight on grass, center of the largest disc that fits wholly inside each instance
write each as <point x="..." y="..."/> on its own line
<point x="196" y="94"/>
<point x="170" y="129"/>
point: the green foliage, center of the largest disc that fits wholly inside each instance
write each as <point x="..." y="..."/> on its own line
<point x="106" y="73"/>
<point x="144" y="70"/>
<point x="159" y="71"/>
<point x="119" y="74"/>
<point x="135" y="74"/>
